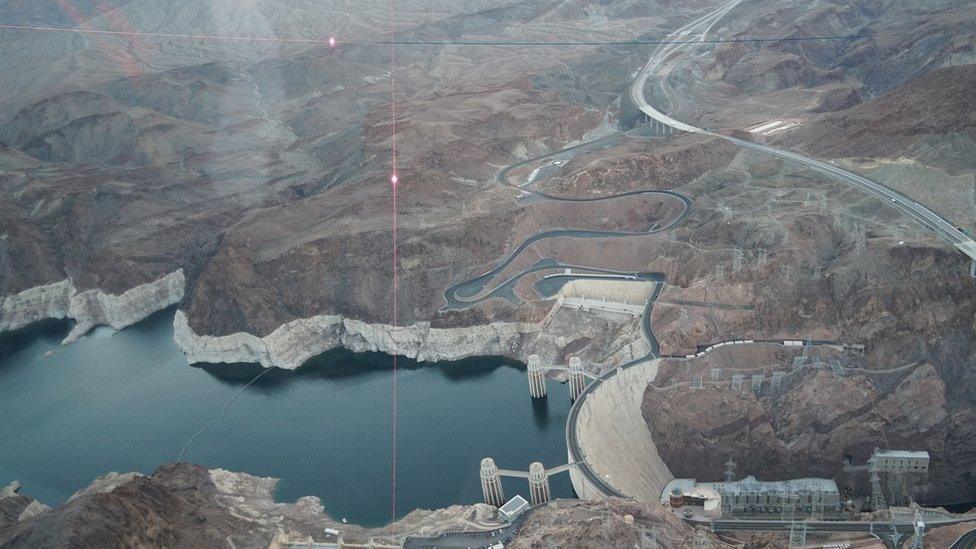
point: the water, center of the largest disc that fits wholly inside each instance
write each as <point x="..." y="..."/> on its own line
<point x="130" y="402"/>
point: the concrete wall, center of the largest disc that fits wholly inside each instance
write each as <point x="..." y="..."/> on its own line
<point x="632" y="291"/>
<point x="615" y="439"/>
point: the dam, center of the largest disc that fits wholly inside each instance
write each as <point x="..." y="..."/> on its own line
<point x="128" y="401"/>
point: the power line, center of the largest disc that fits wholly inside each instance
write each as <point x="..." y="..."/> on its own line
<point x="400" y="42"/>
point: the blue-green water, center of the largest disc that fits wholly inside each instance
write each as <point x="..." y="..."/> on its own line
<point x="130" y="402"/>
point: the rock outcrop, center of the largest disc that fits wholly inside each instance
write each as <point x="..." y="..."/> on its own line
<point x="15" y="507"/>
<point x="186" y="505"/>
<point x="36" y="304"/>
<point x="607" y="523"/>
<point x="90" y="308"/>
<point x="810" y="426"/>
<point x="299" y="340"/>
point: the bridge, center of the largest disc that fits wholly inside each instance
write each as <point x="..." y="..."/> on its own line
<point x="678" y="40"/>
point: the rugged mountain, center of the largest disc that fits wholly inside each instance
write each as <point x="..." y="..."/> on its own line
<point x="183" y="505"/>
<point x="812" y="424"/>
<point x="931" y="119"/>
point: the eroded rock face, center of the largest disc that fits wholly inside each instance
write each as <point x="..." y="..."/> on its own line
<point x="16" y="507"/>
<point x="95" y="307"/>
<point x="299" y="340"/>
<point x="35" y="304"/>
<point x="175" y="507"/>
<point x="606" y="523"/>
<point x="90" y="308"/>
<point x="185" y="505"/>
<point x="809" y="427"/>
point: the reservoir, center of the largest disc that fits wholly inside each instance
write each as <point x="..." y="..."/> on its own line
<point x="128" y="401"/>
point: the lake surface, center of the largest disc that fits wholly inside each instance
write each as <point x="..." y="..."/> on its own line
<point x="129" y="401"/>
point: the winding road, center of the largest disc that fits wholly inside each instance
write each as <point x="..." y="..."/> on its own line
<point x="677" y="41"/>
<point x="483" y="287"/>
<point x="475" y="290"/>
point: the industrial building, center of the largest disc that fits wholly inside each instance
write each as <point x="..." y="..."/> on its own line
<point x="515" y="507"/>
<point x="749" y="496"/>
<point x="900" y="461"/>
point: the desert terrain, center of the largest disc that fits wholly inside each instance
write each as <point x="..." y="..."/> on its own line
<point x="260" y="171"/>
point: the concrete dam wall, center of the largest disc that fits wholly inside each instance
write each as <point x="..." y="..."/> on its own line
<point x="615" y="441"/>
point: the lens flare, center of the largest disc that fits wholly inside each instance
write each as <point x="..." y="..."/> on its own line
<point x="394" y="179"/>
<point x="332" y="42"/>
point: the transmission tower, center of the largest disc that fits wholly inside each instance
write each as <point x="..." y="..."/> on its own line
<point x="784" y="271"/>
<point x="720" y="272"/>
<point x="738" y="260"/>
<point x="730" y="471"/>
<point x="649" y="538"/>
<point x="757" y="382"/>
<point x="817" y="272"/>
<point x="737" y="381"/>
<point x="762" y="256"/>
<point x="860" y="239"/>
<point x="917" y="542"/>
<point x="727" y="510"/>
<point x="877" y="496"/>
<point x="817" y="507"/>
<point x="798" y="535"/>
<point x="789" y="507"/>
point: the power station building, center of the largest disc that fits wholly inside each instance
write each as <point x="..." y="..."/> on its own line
<point x="749" y="496"/>
<point x="900" y="461"/>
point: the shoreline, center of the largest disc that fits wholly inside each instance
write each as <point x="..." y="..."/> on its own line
<point x="89" y="308"/>
<point x="289" y="346"/>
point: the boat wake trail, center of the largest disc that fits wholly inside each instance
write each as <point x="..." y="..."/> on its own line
<point x="219" y="417"/>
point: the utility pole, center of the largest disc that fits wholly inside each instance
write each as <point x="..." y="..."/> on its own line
<point x="917" y="542"/>
<point x="817" y="508"/>
<point x="877" y="495"/>
<point x="738" y="260"/>
<point x="798" y="535"/>
<point x="860" y="239"/>
<point x="729" y="470"/>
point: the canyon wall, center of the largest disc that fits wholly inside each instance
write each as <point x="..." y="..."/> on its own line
<point x="90" y="308"/>
<point x="294" y="342"/>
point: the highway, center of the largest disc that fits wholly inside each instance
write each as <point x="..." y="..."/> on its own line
<point x="678" y="40"/>
<point x="674" y="43"/>
<point x="468" y="540"/>
<point x="891" y="532"/>
<point x="965" y="541"/>
<point x="472" y="291"/>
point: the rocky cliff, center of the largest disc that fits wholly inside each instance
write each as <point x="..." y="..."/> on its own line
<point x="15" y="507"/>
<point x="811" y="424"/>
<point x="185" y="505"/>
<point x="90" y="308"/>
<point x="299" y="340"/>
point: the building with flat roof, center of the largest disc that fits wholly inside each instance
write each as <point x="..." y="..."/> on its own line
<point x="750" y="496"/>
<point x="900" y="461"/>
<point x="513" y="508"/>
